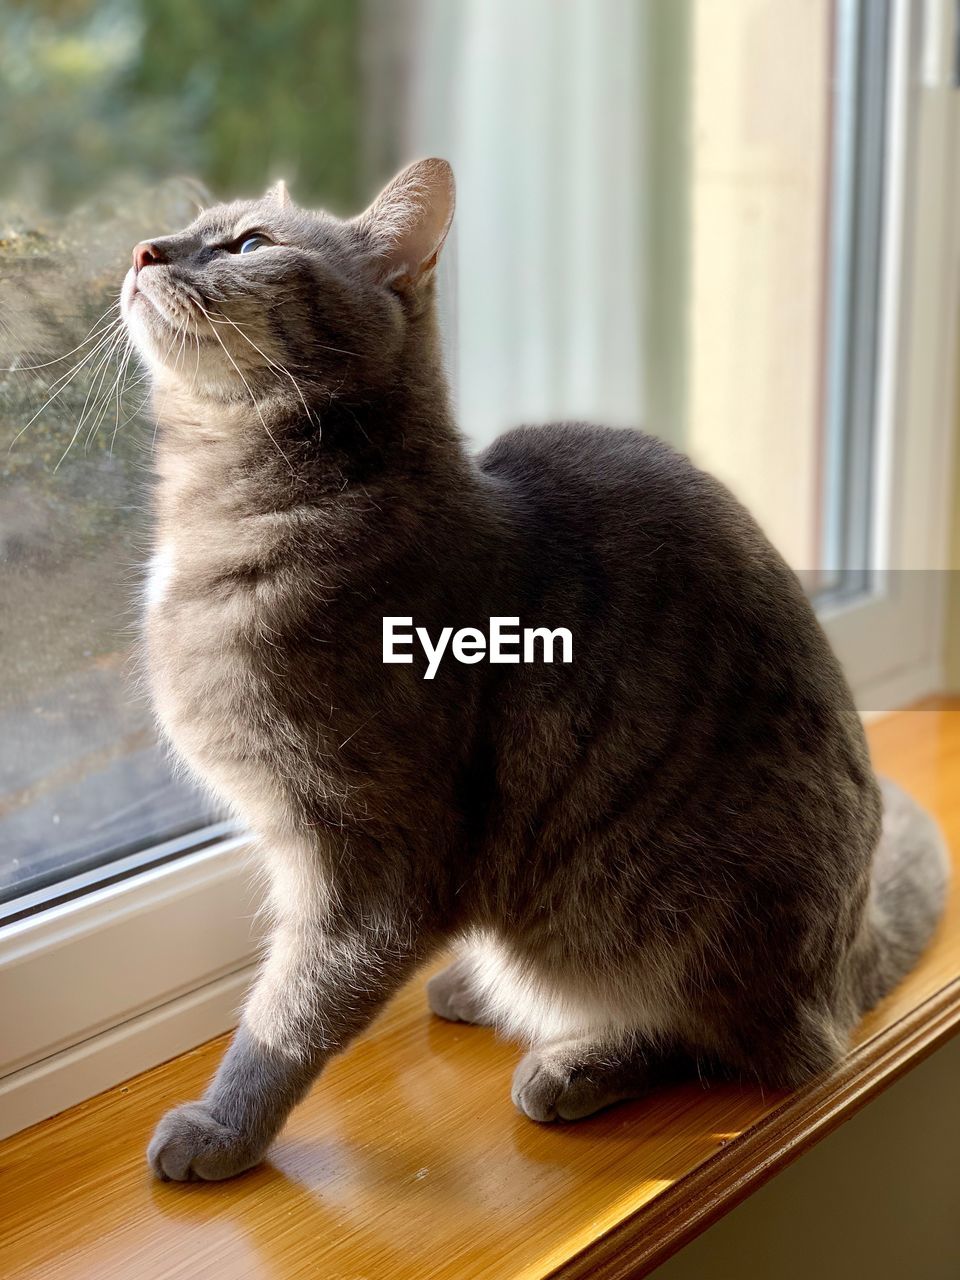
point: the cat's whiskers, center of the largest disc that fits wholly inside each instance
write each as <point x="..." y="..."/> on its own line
<point x="323" y="346"/>
<point x="105" y="341"/>
<point x="102" y="403"/>
<point x="127" y="357"/>
<point x="95" y="332"/>
<point x="253" y="400"/>
<point x="113" y="395"/>
<point x="181" y="333"/>
<point x="96" y="386"/>
<point x="96" y="406"/>
<point x="274" y="364"/>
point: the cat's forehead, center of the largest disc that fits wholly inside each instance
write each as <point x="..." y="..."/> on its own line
<point x="225" y="221"/>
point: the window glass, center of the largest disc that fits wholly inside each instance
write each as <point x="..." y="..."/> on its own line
<point x="105" y="104"/>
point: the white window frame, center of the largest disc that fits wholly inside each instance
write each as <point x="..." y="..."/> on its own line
<point x="107" y="984"/>
<point x="891" y="643"/>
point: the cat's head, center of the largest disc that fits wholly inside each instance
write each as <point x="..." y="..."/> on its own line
<point x="259" y="297"/>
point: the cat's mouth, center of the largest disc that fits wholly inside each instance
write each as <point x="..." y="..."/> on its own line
<point x="160" y="295"/>
<point x="168" y="318"/>
<point x="183" y="335"/>
<point x="161" y="314"/>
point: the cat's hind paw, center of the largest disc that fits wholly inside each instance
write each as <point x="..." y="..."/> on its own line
<point x="190" y="1145"/>
<point x="451" y="995"/>
<point x="553" y="1085"/>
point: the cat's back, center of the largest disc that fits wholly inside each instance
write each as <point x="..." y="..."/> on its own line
<point x="583" y="454"/>
<point x="679" y="598"/>
<point x="625" y="492"/>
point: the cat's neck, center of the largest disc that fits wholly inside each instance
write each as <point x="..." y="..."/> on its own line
<point x="265" y="490"/>
<point x="284" y="449"/>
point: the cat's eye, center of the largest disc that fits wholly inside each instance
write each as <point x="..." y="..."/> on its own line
<point x="251" y="243"/>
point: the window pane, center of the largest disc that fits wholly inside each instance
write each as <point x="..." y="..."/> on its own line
<point x="81" y="774"/>
<point x="103" y="104"/>
<point x="857" y="211"/>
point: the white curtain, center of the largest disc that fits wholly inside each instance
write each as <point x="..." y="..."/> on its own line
<point x="536" y="103"/>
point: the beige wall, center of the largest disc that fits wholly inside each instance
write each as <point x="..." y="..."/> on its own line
<point x="952" y="646"/>
<point x="878" y="1199"/>
<point x="666" y="105"/>
<point x="759" y="183"/>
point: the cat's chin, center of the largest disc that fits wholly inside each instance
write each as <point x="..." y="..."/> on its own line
<point x="143" y="319"/>
<point x="129" y="296"/>
<point x="145" y="346"/>
<point x="136" y="301"/>
<point x="145" y="310"/>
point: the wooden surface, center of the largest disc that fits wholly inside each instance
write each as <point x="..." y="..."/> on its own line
<point x="409" y="1161"/>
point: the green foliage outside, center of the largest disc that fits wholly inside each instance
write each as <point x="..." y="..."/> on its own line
<point x="231" y="91"/>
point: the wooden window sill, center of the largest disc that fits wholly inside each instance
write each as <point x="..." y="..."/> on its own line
<point x="409" y="1161"/>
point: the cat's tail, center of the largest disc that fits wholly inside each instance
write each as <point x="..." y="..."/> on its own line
<point x="911" y="872"/>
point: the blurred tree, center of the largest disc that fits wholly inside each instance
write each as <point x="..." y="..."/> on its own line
<point x="275" y="89"/>
<point x="231" y="91"/>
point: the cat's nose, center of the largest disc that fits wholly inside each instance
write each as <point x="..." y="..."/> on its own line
<point x="147" y="254"/>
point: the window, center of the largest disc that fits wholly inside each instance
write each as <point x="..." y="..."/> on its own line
<point x="733" y="224"/>
<point x="861" y="35"/>
<point x="103" y="106"/>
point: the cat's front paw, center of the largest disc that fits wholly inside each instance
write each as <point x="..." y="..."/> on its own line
<point x="451" y="995"/>
<point x="190" y="1145"/>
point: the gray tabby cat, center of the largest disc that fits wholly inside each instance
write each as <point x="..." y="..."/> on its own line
<point x="671" y="851"/>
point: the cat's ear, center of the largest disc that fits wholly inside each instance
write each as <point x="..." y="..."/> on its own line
<point x="279" y="194"/>
<point x="408" y="222"/>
